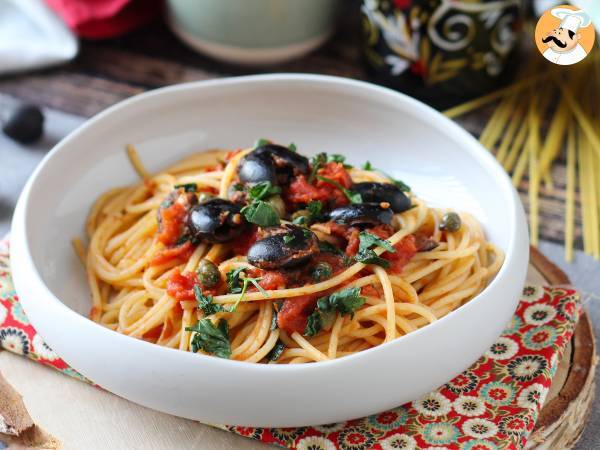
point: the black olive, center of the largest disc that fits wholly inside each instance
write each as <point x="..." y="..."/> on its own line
<point x="283" y="248"/>
<point x="284" y="157"/>
<point x="362" y="214"/>
<point x="383" y="192"/>
<point x="25" y="124"/>
<point x="272" y="163"/>
<point x="257" y="167"/>
<point x="216" y="221"/>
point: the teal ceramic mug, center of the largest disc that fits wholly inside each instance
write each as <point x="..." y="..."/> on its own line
<point x="253" y="32"/>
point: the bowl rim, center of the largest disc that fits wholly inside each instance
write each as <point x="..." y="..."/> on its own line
<point x="427" y="113"/>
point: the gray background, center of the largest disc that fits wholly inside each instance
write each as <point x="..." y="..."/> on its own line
<point x="17" y="162"/>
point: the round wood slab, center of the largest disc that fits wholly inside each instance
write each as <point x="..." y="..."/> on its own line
<point x="569" y="402"/>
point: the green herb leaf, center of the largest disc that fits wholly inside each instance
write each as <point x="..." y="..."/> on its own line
<point x="288" y="238"/>
<point x="210" y="338"/>
<point x="367" y="240"/>
<point x="368" y="256"/>
<point x="315" y="209"/>
<point x="260" y="142"/>
<point x="327" y="247"/>
<point x="316" y="163"/>
<point x="262" y="190"/>
<point x="293" y="147"/>
<point x="261" y="213"/>
<point x="336" y="158"/>
<point x="205" y="302"/>
<point x="347" y="301"/>
<point x="234" y="285"/>
<point x="367" y="166"/>
<point x="187" y="187"/>
<point x="300" y="220"/>
<point x="276" y="351"/>
<point x="353" y="196"/>
<point x="313" y="324"/>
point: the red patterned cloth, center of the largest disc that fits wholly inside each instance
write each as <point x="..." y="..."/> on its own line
<point x="102" y="19"/>
<point x="492" y="405"/>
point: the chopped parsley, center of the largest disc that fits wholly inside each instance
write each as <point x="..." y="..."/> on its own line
<point x="288" y="238"/>
<point x="210" y="338"/>
<point x="205" y="302"/>
<point x="314" y="324"/>
<point x="261" y="213"/>
<point x="367" y="255"/>
<point x="276" y="351"/>
<point x="327" y="247"/>
<point x="398" y="183"/>
<point x="344" y="302"/>
<point x="262" y="190"/>
<point x="187" y="187"/>
<point x="316" y="163"/>
<point x="352" y="196"/>
<point x="260" y="142"/>
<point x="238" y="284"/>
<point x="293" y="147"/>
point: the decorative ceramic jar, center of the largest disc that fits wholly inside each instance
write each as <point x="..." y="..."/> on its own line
<point x="441" y="51"/>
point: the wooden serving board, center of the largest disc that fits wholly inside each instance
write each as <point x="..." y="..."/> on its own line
<point x="83" y="417"/>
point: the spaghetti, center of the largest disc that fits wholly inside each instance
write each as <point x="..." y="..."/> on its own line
<point x="261" y="255"/>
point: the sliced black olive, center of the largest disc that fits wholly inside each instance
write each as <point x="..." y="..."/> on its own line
<point x="362" y="214"/>
<point x="283" y="157"/>
<point x="257" y="167"/>
<point x="283" y="248"/>
<point x="383" y="192"/>
<point x="25" y="124"/>
<point x="271" y="162"/>
<point x="216" y="221"/>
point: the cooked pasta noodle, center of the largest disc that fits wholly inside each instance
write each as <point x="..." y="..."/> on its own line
<point x="131" y="289"/>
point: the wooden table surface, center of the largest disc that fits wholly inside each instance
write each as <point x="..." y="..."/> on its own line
<point x="106" y="72"/>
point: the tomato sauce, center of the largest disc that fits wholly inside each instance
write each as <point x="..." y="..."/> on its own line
<point x="272" y="280"/>
<point x="181" y="285"/>
<point x="405" y="250"/>
<point x="294" y="313"/>
<point x="179" y="253"/>
<point x="171" y="223"/>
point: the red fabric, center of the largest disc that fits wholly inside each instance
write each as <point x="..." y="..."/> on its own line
<point x="101" y="19"/>
<point x="492" y="405"/>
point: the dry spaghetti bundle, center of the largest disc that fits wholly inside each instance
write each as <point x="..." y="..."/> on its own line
<point x="552" y="114"/>
<point x="319" y="261"/>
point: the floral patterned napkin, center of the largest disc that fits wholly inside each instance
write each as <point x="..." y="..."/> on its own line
<point x="492" y="405"/>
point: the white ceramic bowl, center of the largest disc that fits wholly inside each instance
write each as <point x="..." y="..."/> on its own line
<point x="443" y="164"/>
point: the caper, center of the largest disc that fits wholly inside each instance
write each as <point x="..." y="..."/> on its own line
<point x="450" y="222"/>
<point x="205" y="196"/>
<point x="322" y="271"/>
<point x="208" y="273"/>
<point x="278" y="205"/>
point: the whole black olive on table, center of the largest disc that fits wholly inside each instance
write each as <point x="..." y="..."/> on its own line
<point x="372" y="192"/>
<point x="25" y="124"/>
<point x="273" y="163"/>
<point x="283" y="248"/>
<point x="363" y="214"/>
<point x="216" y="221"/>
